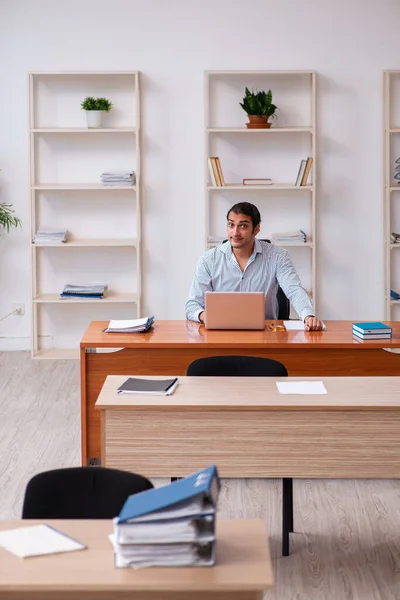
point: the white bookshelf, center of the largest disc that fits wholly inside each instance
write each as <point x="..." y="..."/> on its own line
<point x="104" y="223"/>
<point x="275" y="153"/>
<point x="391" y="189"/>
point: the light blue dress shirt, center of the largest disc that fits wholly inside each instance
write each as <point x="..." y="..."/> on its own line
<point x="269" y="266"/>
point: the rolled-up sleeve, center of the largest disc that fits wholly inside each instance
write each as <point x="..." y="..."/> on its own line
<point x="291" y="285"/>
<point x="200" y="285"/>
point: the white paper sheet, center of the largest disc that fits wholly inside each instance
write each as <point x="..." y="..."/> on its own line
<point x="37" y="540"/>
<point x="301" y="387"/>
<point x="297" y="325"/>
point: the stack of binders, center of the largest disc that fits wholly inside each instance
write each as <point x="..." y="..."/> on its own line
<point x="170" y="526"/>
<point x="372" y="331"/>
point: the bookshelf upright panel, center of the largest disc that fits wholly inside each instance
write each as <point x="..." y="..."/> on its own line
<point x="273" y="153"/>
<point x="391" y="191"/>
<point x="104" y="223"/>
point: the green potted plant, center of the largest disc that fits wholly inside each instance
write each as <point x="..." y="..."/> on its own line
<point x="259" y="108"/>
<point x="95" y="107"/>
<point x="7" y="218"/>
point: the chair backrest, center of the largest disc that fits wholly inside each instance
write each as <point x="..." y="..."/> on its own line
<point x="80" y="493"/>
<point x="283" y="305"/>
<point x="236" y="366"/>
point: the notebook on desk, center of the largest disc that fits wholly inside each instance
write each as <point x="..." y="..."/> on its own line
<point x="235" y="310"/>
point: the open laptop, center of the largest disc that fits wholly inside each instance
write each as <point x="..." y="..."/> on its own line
<point x="235" y="310"/>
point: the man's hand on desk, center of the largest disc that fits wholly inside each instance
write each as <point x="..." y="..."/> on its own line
<point x="202" y="317"/>
<point x="311" y="323"/>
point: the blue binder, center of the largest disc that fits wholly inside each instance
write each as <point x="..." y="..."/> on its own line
<point x="194" y="495"/>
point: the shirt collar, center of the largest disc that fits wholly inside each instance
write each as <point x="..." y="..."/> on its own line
<point x="227" y="248"/>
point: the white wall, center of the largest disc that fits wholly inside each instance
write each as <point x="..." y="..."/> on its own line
<point x="348" y="43"/>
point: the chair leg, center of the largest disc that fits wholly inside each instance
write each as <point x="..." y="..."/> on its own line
<point x="287" y="514"/>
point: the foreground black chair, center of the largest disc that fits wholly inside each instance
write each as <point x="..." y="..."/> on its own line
<point x="80" y="493"/>
<point x="251" y="366"/>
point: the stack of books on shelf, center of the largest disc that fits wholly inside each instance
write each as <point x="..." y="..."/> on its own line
<point x="83" y="291"/>
<point x="215" y="240"/>
<point x="50" y="237"/>
<point x="397" y="170"/>
<point x="129" y="325"/>
<point x="372" y="331"/>
<point x="170" y="526"/>
<point x="118" y="178"/>
<point x="215" y="170"/>
<point x="258" y="181"/>
<point x="289" y="237"/>
<point x="395" y="237"/>
<point x="304" y="171"/>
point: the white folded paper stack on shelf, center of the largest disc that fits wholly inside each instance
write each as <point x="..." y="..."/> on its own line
<point x="289" y="237"/>
<point x="50" y="237"/>
<point x="118" y="178"/>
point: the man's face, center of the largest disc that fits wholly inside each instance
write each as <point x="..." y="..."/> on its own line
<point x="240" y="230"/>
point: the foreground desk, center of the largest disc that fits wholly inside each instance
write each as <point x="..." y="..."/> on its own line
<point x="247" y="428"/>
<point x="172" y="345"/>
<point x="243" y="570"/>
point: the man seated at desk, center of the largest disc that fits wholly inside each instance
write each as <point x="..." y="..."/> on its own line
<point x="246" y="264"/>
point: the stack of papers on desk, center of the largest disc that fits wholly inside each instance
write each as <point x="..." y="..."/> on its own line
<point x="169" y="526"/>
<point x="130" y="325"/>
<point x="37" y="540"/>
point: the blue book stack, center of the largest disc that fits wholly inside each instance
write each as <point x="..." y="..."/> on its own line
<point x="172" y="525"/>
<point x="372" y="331"/>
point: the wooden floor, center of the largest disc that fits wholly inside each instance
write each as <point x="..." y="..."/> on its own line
<point x="346" y="543"/>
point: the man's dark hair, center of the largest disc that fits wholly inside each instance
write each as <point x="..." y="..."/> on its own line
<point x="245" y="208"/>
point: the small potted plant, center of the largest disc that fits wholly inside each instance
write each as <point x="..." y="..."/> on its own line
<point x="7" y="219"/>
<point x="95" y="107"/>
<point x="259" y="108"/>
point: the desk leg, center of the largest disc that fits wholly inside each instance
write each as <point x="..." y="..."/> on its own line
<point x="287" y="514"/>
<point x="83" y="407"/>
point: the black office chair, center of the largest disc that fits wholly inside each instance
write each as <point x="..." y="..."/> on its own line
<point x="236" y="366"/>
<point x="80" y="493"/>
<point x="250" y="366"/>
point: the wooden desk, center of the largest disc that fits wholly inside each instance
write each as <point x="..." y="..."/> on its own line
<point x="248" y="429"/>
<point x="172" y="345"/>
<point x="243" y="570"/>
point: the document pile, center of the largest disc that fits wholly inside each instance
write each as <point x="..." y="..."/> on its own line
<point x="290" y="237"/>
<point x="83" y="291"/>
<point x="130" y="325"/>
<point x="397" y="170"/>
<point x="172" y="525"/>
<point x="395" y="237"/>
<point x="152" y="387"/>
<point x="50" y="237"/>
<point x="118" y="178"/>
<point x="372" y="331"/>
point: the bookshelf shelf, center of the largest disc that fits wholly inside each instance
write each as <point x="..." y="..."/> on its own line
<point x="109" y="298"/>
<point x="277" y="154"/>
<point x="84" y="130"/>
<point x="81" y="187"/>
<point x="259" y="131"/>
<point x="90" y="243"/>
<point x="391" y="209"/>
<point x="275" y="186"/>
<point x="63" y="151"/>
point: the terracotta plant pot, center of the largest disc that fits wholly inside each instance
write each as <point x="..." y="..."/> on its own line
<point x="258" y="122"/>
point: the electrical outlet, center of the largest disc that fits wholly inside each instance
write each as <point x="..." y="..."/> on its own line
<point x="18" y="308"/>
